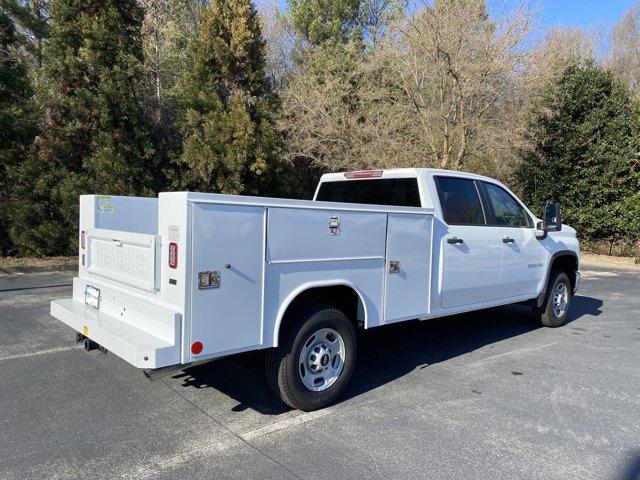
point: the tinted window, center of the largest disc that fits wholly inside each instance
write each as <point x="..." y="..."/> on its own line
<point x="508" y="212"/>
<point x="393" y="191"/>
<point x="460" y="201"/>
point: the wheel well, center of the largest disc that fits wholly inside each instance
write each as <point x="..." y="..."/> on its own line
<point x="567" y="264"/>
<point x="342" y="297"/>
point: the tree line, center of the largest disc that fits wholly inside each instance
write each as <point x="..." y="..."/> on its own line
<point x="133" y="97"/>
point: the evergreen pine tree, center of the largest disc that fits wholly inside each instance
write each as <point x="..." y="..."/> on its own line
<point x="230" y="141"/>
<point x="586" y="154"/>
<point x="17" y="121"/>
<point x="93" y="137"/>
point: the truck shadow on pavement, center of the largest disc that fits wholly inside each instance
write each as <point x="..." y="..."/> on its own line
<point x="631" y="468"/>
<point x="385" y="353"/>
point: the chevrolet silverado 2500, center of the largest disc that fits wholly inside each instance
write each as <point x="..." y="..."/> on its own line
<point x="174" y="281"/>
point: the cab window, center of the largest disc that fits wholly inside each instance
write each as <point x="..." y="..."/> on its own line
<point x="401" y="192"/>
<point x="460" y="201"/>
<point x="507" y="211"/>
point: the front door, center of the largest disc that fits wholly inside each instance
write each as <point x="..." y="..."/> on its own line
<point x="522" y="254"/>
<point x="470" y="249"/>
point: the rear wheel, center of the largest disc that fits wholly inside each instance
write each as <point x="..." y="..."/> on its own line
<point x="555" y="310"/>
<point x="315" y="359"/>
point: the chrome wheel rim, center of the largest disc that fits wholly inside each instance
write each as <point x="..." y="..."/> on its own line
<point x="321" y="359"/>
<point x="560" y="300"/>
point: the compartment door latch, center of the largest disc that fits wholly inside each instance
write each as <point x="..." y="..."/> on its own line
<point x="208" y="279"/>
<point x="394" y="266"/>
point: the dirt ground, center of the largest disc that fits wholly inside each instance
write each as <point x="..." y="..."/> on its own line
<point x="587" y="259"/>
<point x="31" y="261"/>
<point x="608" y="261"/>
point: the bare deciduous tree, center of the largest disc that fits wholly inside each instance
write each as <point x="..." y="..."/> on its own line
<point x="559" y="48"/>
<point x="624" y="56"/>
<point x="281" y="41"/>
<point x="167" y="27"/>
<point x="456" y="69"/>
<point x="441" y="89"/>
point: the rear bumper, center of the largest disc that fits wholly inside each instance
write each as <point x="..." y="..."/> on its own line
<point x="126" y="336"/>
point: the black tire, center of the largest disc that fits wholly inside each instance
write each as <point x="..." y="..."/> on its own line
<point x="281" y="363"/>
<point x="546" y="314"/>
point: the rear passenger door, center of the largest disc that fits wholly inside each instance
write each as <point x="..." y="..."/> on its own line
<point x="470" y="249"/>
<point x="521" y="252"/>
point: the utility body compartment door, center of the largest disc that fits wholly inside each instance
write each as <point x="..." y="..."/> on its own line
<point x="227" y="244"/>
<point x="408" y="266"/>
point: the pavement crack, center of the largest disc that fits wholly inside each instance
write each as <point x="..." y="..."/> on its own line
<point x="16" y="356"/>
<point x="38" y="287"/>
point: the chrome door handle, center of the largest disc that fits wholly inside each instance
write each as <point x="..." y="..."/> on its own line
<point x="508" y="240"/>
<point x="455" y="240"/>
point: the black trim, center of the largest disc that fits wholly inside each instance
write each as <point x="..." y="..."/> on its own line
<point x="436" y="179"/>
<point x="562" y="253"/>
<point x="490" y="215"/>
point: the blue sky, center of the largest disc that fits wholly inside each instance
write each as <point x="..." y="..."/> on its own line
<point x="583" y="13"/>
<point x="570" y="13"/>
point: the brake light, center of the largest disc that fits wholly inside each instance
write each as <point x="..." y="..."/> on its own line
<point x="173" y="255"/>
<point x="82" y="239"/>
<point x="364" y="174"/>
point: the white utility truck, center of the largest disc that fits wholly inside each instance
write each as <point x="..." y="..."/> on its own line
<point x="170" y="282"/>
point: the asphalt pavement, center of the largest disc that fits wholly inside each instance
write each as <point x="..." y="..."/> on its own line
<point x="487" y="395"/>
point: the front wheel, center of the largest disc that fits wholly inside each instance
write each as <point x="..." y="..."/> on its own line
<point x="555" y="310"/>
<point x="315" y="359"/>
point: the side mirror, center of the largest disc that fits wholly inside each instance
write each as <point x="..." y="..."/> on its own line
<point x="551" y="218"/>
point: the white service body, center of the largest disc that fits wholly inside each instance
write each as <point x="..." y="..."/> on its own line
<point x="157" y="276"/>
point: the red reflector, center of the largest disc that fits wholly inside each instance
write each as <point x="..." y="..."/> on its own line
<point x="82" y="237"/>
<point x="196" y="348"/>
<point x="173" y="255"/>
<point x="364" y="174"/>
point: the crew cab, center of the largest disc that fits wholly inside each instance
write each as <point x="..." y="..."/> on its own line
<point x="170" y="282"/>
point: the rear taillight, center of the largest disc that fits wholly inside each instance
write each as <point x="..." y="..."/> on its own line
<point x="364" y="174"/>
<point x="82" y="237"/>
<point x="173" y="255"/>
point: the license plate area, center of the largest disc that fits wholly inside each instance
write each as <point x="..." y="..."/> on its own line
<point x="92" y="296"/>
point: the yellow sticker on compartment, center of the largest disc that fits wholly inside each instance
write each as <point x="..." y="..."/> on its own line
<point x="85" y="331"/>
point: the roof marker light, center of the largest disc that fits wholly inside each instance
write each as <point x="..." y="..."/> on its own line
<point x="364" y="174"/>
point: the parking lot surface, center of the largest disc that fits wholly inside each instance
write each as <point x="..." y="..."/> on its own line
<point x="486" y="395"/>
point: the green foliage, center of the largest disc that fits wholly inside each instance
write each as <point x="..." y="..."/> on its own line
<point x="322" y="22"/>
<point x="103" y="97"/>
<point x="230" y="141"/>
<point x="17" y="120"/>
<point x="587" y="154"/>
<point x="93" y="137"/>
